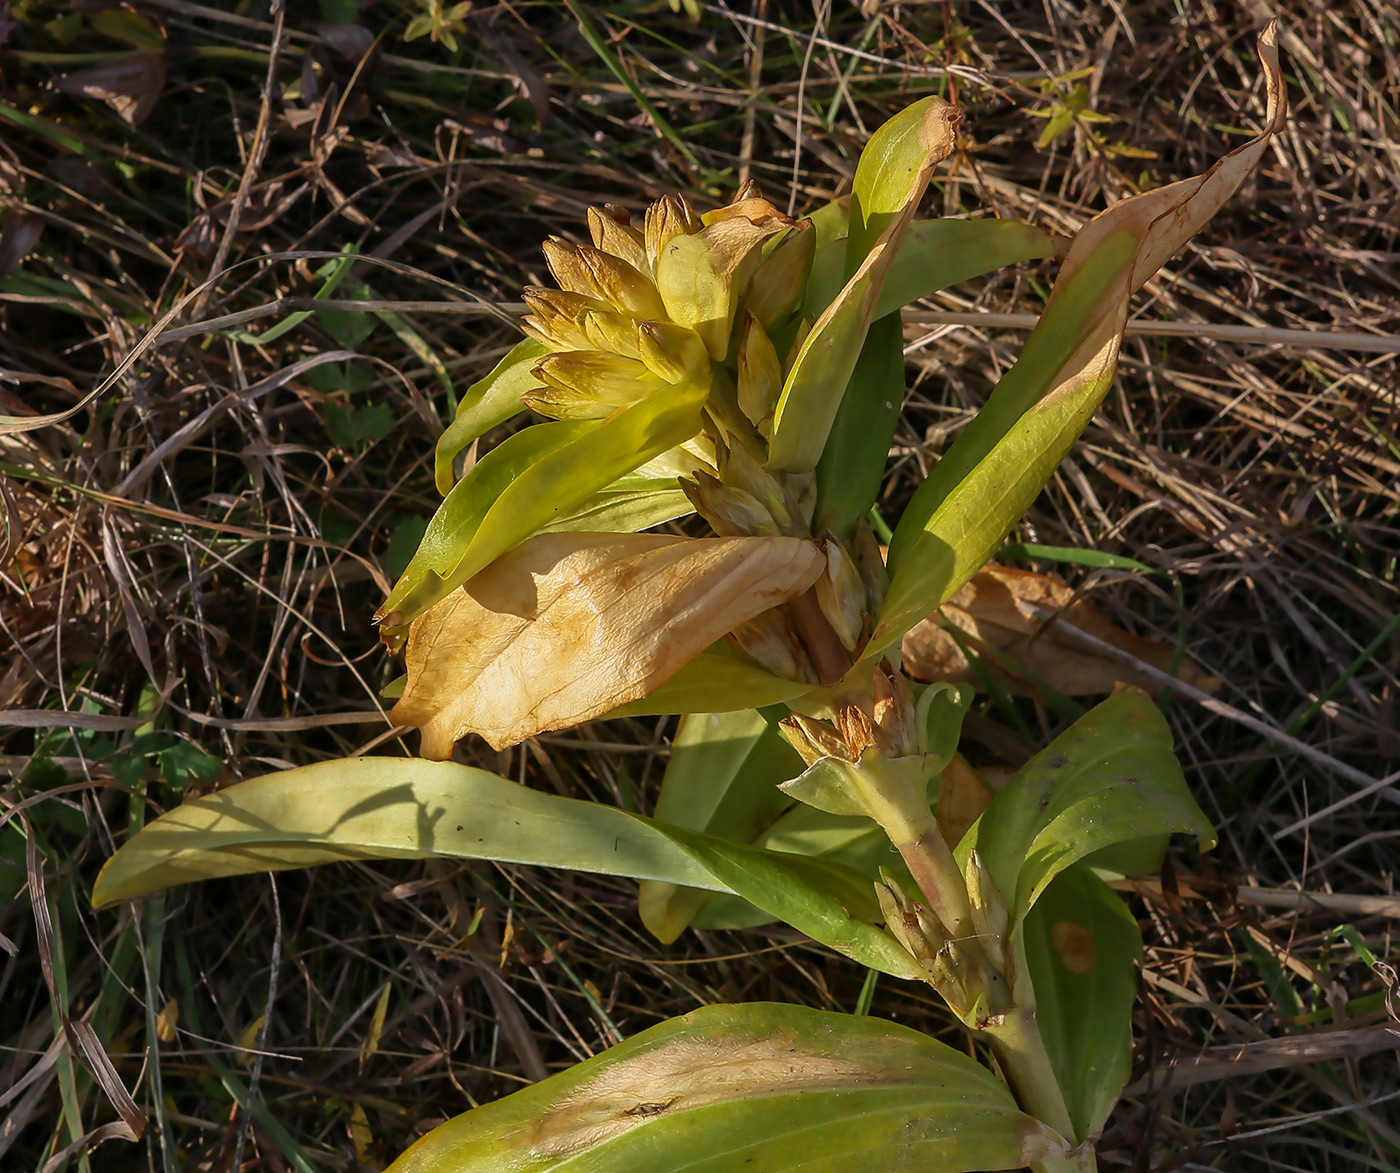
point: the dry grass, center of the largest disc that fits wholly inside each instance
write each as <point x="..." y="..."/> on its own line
<point x="190" y="561"/>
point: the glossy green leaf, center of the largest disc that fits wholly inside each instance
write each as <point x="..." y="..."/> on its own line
<point x="722" y="778"/>
<point x="901" y="155"/>
<point x="433" y="572"/>
<point x="718" y="680"/>
<point x="829" y="902"/>
<point x="1081" y="943"/>
<point x="486" y="404"/>
<point x="557" y="482"/>
<point x="386" y="808"/>
<point x="1111" y="777"/>
<point x="760" y="1087"/>
<point x="996" y="468"/>
<point x="938" y="253"/>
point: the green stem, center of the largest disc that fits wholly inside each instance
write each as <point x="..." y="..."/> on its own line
<point x="1020" y="1051"/>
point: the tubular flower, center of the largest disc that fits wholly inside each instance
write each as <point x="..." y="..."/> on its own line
<point x="646" y="307"/>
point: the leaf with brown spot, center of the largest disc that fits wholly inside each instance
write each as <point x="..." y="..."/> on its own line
<point x="1024" y="616"/>
<point x="569" y="626"/>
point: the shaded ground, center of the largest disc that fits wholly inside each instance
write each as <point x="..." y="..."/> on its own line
<point x="206" y="540"/>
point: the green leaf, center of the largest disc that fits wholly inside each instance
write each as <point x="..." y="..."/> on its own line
<point x="486" y="404"/>
<point x="184" y="762"/>
<point x="1109" y="778"/>
<point x="761" y="1087"/>
<point x="829" y="902"/>
<point x="385" y="808"/>
<point x="718" y="680"/>
<point x="348" y="426"/>
<point x="852" y="466"/>
<point x="433" y="571"/>
<point x="1081" y="943"/>
<point x="629" y="505"/>
<point x="938" y="253"/>
<point x="722" y="778"/>
<point x="1000" y="462"/>
<point x="891" y="177"/>
<point x="543" y="480"/>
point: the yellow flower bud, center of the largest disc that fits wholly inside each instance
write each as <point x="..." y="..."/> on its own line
<point x="780" y="282"/>
<point x="760" y="373"/>
<point x="598" y="374"/>
<point x="813" y="739"/>
<point x="612" y="232"/>
<point x="841" y="595"/>
<point x="732" y="513"/>
<point x="771" y="640"/>
<point x="623" y="286"/>
<point x="568" y="270"/>
<point x="669" y="217"/>
<point x="610" y="330"/>
<point x="557" y="317"/>
<point x="673" y="352"/>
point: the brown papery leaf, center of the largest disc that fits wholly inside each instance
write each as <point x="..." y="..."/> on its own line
<point x="130" y="85"/>
<point x="1021" y="615"/>
<point x="569" y="626"/>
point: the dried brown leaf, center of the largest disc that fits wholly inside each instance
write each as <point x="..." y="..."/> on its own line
<point x="569" y="626"/>
<point x="1018" y="613"/>
<point x="131" y="85"/>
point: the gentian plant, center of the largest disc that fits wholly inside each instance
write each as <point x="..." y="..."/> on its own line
<point x="748" y="368"/>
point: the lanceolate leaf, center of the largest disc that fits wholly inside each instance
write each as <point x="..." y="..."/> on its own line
<point x="722" y="778"/>
<point x="829" y="902"/>
<point x="754" y="1087"/>
<point x="569" y="626"/>
<point x="385" y="808"/>
<point x="433" y="571"/>
<point x="938" y="253"/>
<point x="1081" y="943"/>
<point x="905" y="151"/>
<point x="556" y="482"/>
<point x="995" y="468"/>
<point x="629" y="505"/>
<point x="486" y="404"/>
<point x="1109" y="778"/>
<point x="718" y="680"/>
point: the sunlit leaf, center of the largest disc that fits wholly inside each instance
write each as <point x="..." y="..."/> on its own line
<point x="533" y="494"/>
<point x="993" y="471"/>
<point x="629" y="505"/>
<point x="1111" y="777"/>
<point x="760" y="1086"/>
<point x="902" y="155"/>
<point x="385" y="808"/>
<point x="486" y="404"/>
<point x="1081" y="943"/>
<point x="570" y="626"/>
<point x="718" y="680"/>
<point x="828" y="901"/>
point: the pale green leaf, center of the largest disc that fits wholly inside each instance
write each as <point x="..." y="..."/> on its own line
<point x="386" y="808"/>
<point x="554" y="484"/>
<point x="722" y="778"/>
<point x="1081" y="942"/>
<point x="754" y="1087"/>
<point x="627" y="506"/>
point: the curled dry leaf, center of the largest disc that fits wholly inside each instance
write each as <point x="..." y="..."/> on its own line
<point x="131" y="85"/>
<point x="569" y="626"/>
<point x="1022" y="615"/>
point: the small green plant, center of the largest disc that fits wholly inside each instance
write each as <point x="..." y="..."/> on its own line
<point x="748" y="368"/>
